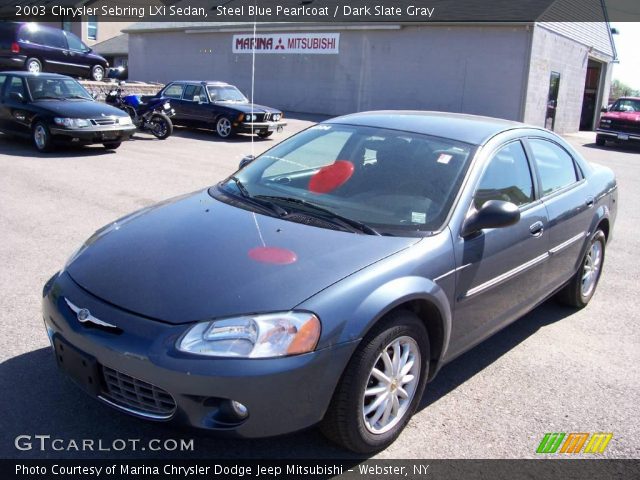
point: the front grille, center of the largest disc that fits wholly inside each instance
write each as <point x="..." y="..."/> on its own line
<point x="625" y="126"/>
<point x="133" y="394"/>
<point x="267" y="117"/>
<point x="104" y="121"/>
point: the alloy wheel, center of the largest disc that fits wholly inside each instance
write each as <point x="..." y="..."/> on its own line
<point x="591" y="268"/>
<point x="34" y="67"/>
<point x="391" y="386"/>
<point x="40" y="137"/>
<point x="224" y="127"/>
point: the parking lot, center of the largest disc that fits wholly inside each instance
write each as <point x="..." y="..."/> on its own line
<point x="555" y="370"/>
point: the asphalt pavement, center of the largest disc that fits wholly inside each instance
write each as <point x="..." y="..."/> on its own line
<point x="555" y="370"/>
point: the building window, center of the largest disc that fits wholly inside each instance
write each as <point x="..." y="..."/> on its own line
<point x="92" y="27"/>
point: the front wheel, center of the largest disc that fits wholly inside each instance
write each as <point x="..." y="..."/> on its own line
<point x="97" y="73"/>
<point x="381" y="387"/>
<point x="224" y="127"/>
<point x="42" y="137"/>
<point x="160" y="126"/>
<point x="112" y="145"/>
<point x="582" y="286"/>
<point x="33" y="65"/>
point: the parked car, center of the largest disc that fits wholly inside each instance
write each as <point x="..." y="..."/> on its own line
<point x="55" y="109"/>
<point x="38" y="48"/>
<point x="620" y="122"/>
<point x="355" y="258"/>
<point x="222" y="107"/>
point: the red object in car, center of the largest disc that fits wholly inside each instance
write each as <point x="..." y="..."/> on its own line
<point x="274" y="255"/>
<point x="331" y="177"/>
<point x="15" y="48"/>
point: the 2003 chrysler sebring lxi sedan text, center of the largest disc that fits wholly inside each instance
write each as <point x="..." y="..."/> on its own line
<point x="355" y="258"/>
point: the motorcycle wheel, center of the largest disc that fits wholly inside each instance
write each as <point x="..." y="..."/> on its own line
<point x="160" y="126"/>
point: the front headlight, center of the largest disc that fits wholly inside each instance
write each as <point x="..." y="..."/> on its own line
<point x="276" y="117"/>
<point x="71" y="122"/>
<point x="254" y="336"/>
<point x="125" y="121"/>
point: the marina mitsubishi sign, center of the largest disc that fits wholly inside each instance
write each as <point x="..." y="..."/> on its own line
<point x="287" y="43"/>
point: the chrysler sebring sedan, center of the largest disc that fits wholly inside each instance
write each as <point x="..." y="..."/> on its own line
<point x="330" y="278"/>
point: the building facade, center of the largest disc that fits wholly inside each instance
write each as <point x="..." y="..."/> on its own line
<point x="533" y="72"/>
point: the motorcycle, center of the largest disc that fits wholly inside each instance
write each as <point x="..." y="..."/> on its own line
<point x="152" y="115"/>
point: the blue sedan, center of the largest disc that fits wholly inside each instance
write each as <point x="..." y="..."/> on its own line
<point x="329" y="279"/>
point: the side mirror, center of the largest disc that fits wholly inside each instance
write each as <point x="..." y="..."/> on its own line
<point x="196" y="99"/>
<point x="246" y="161"/>
<point x="17" y="96"/>
<point x="493" y="214"/>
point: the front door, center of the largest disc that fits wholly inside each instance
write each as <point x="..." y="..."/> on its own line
<point x="499" y="270"/>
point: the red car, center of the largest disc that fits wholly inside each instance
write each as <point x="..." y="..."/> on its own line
<point x="621" y="122"/>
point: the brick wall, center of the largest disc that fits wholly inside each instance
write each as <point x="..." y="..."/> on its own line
<point x="100" y="89"/>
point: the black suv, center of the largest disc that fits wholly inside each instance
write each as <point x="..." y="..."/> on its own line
<point x="37" y="48"/>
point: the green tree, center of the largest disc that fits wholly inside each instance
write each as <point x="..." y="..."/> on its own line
<point x="620" y="89"/>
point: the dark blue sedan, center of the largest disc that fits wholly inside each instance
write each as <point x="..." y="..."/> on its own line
<point x="328" y="280"/>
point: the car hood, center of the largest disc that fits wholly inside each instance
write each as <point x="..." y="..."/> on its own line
<point x="247" y="107"/>
<point x="194" y="258"/>
<point x="627" y="116"/>
<point x="80" y="108"/>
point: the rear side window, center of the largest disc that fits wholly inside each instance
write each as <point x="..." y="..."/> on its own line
<point x="2" y="80"/>
<point x="16" y="85"/>
<point x="174" y="91"/>
<point x="507" y="177"/>
<point x="49" y="37"/>
<point x="555" y="166"/>
<point x="75" y="43"/>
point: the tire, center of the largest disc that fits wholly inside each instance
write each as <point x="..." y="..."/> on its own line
<point x="97" y="73"/>
<point x="33" y="65"/>
<point x="160" y="126"/>
<point x="42" y="137"/>
<point x="265" y="134"/>
<point x="112" y="145"/>
<point x="224" y="129"/>
<point x="347" y="421"/>
<point x="600" y="140"/>
<point x="579" y="291"/>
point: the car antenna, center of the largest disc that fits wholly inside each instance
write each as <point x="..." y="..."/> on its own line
<point x="253" y="77"/>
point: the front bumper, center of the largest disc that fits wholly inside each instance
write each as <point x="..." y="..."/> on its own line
<point x="89" y="135"/>
<point x="618" y="136"/>
<point x="282" y="395"/>
<point x="260" y="127"/>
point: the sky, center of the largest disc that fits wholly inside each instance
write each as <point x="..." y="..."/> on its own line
<point x="628" y="48"/>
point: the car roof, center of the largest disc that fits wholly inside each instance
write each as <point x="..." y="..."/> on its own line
<point x="629" y="98"/>
<point x="465" y="128"/>
<point x="35" y="75"/>
<point x="208" y="82"/>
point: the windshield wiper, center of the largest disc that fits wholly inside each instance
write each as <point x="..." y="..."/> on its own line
<point x="326" y="214"/>
<point x="49" y="97"/>
<point x="81" y="97"/>
<point x="257" y="200"/>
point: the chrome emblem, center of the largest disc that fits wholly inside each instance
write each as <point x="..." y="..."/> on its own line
<point x="84" y="316"/>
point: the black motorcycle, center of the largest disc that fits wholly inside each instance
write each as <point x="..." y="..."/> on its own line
<point x="149" y="114"/>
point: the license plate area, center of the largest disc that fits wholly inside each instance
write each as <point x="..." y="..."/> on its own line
<point x="81" y="367"/>
<point x="623" y="136"/>
<point x="271" y="128"/>
<point x="110" y="135"/>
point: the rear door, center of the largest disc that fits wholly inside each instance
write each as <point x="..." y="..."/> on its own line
<point x="51" y="47"/>
<point x="565" y="193"/>
<point x="3" y="107"/>
<point x="499" y="271"/>
<point x="15" y="115"/>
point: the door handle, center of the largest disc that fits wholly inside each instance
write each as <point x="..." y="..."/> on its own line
<point x="589" y="202"/>
<point x="536" y="229"/>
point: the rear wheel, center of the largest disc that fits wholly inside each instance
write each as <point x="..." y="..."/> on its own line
<point x="97" y="73"/>
<point x="224" y="127"/>
<point x="42" y="137"/>
<point x="582" y="286"/>
<point x="112" y="145"/>
<point x="33" y="65"/>
<point x="381" y="387"/>
<point x="600" y="140"/>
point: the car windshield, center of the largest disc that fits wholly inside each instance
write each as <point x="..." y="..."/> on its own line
<point x="388" y="180"/>
<point x="226" y="94"/>
<point x="626" y="105"/>
<point x="56" y="89"/>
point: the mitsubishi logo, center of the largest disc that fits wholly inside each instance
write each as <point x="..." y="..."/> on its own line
<point x="84" y="316"/>
<point x="280" y="45"/>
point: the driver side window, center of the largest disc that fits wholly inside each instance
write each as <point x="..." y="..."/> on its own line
<point x="507" y="177"/>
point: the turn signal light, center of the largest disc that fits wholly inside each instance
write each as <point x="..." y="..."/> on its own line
<point x="15" y="48"/>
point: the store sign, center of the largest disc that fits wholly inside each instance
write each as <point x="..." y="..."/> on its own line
<point x="283" y="43"/>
